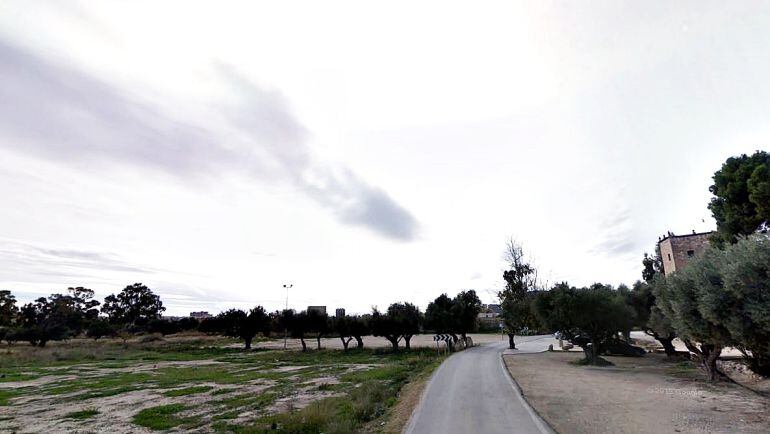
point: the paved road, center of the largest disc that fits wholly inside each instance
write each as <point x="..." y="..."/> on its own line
<point x="472" y="393"/>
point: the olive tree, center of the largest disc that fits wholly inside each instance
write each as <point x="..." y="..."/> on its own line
<point x="588" y="317"/>
<point x="400" y="321"/>
<point x="649" y="317"/>
<point x="239" y="324"/>
<point x="348" y="328"/>
<point x="688" y="298"/>
<point x="744" y="307"/>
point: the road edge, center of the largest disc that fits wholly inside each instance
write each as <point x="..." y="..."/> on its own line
<point x="409" y="428"/>
<point x="541" y="423"/>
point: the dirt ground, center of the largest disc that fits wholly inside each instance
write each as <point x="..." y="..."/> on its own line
<point x="637" y="395"/>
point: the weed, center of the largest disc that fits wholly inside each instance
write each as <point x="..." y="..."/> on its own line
<point x="82" y="414"/>
<point x="163" y="417"/>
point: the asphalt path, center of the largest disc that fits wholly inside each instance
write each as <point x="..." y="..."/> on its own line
<point x="472" y="392"/>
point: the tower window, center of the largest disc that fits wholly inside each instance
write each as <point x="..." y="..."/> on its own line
<point x="690" y="253"/>
<point x="669" y="256"/>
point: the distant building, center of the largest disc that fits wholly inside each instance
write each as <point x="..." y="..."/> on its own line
<point x="340" y="312"/>
<point x="319" y="309"/>
<point x="200" y="315"/>
<point x="489" y="317"/>
<point x="677" y="250"/>
<point x="494" y="308"/>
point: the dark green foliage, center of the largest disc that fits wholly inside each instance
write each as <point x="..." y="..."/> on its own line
<point x="588" y="317"/>
<point x="349" y="328"/>
<point x="162" y="326"/>
<point x="653" y="265"/>
<point x="43" y="321"/>
<point x="134" y="306"/>
<point x="438" y="315"/>
<point x="648" y="317"/>
<point x="688" y="298"/>
<point x="100" y="328"/>
<point x="8" y="316"/>
<point x="317" y="323"/>
<point x="741" y="304"/>
<point x="465" y="311"/>
<point x="401" y="321"/>
<point x="8" y="309"/>
<point x="454" y="316"/>
<point x="239" y="324"/>
<point x="742" y="196"/>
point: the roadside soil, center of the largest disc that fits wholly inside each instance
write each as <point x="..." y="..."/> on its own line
<point x="637" y="395"/>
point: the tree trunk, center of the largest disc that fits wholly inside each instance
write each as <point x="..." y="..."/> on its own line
<point x="709" y="361"/>
<point x="345" y="342"/>
<point x="587" y="354"/>
<point x="594" y="353"/>
<point x="318" y="341"/>
<point x="759" y="362"/>
<point x="304" y="345"/>
<point x="668" y="345"/>
<point x="248" y="342"/>
<point x="511" y="343"/>
<point x="393" y="341"/>
<point x="359" y="342"/>
<point x="407" y="338"/>
<point x="692" y="348"/>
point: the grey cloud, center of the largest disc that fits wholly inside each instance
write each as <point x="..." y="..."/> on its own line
<point x="341" y="190"/>
<point x="66" y="115"/>
<point x="21" y="259"/>
<point x="616" y="235"/>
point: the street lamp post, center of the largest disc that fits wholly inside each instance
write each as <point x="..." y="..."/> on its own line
<point x="285" y="326"/>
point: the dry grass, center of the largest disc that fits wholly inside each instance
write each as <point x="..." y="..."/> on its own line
<point x="408" y="399"/>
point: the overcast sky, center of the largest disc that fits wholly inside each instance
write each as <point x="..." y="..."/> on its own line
<point x="363" y="153"/>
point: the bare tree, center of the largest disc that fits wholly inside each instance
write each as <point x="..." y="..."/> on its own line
<point x="520" y="279"/>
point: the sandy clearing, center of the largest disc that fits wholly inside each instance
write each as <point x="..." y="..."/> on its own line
<point x="637" y="395"/>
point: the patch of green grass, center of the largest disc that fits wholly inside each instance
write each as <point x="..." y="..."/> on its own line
<point x="683" y="369"/>
<point x="249" y="401"/>
<point x="224" y="391"/>
<point x="226" y="415"/>
<point x="82" y="414"/>
<point x="107" y="385"/>
<point x="163" y="417"/>
<point x="6" y="395"/>
<point x="187" y="391"/>
<point x="18" y="376"/>
<point x="371" y="394"/>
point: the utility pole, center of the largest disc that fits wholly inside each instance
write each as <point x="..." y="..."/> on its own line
<point x="285" y="326"/>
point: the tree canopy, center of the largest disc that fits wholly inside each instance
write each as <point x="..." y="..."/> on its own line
<point x="135" y="305"/>
<point x="741" y="202"/>
<point x="588" y="317"/>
